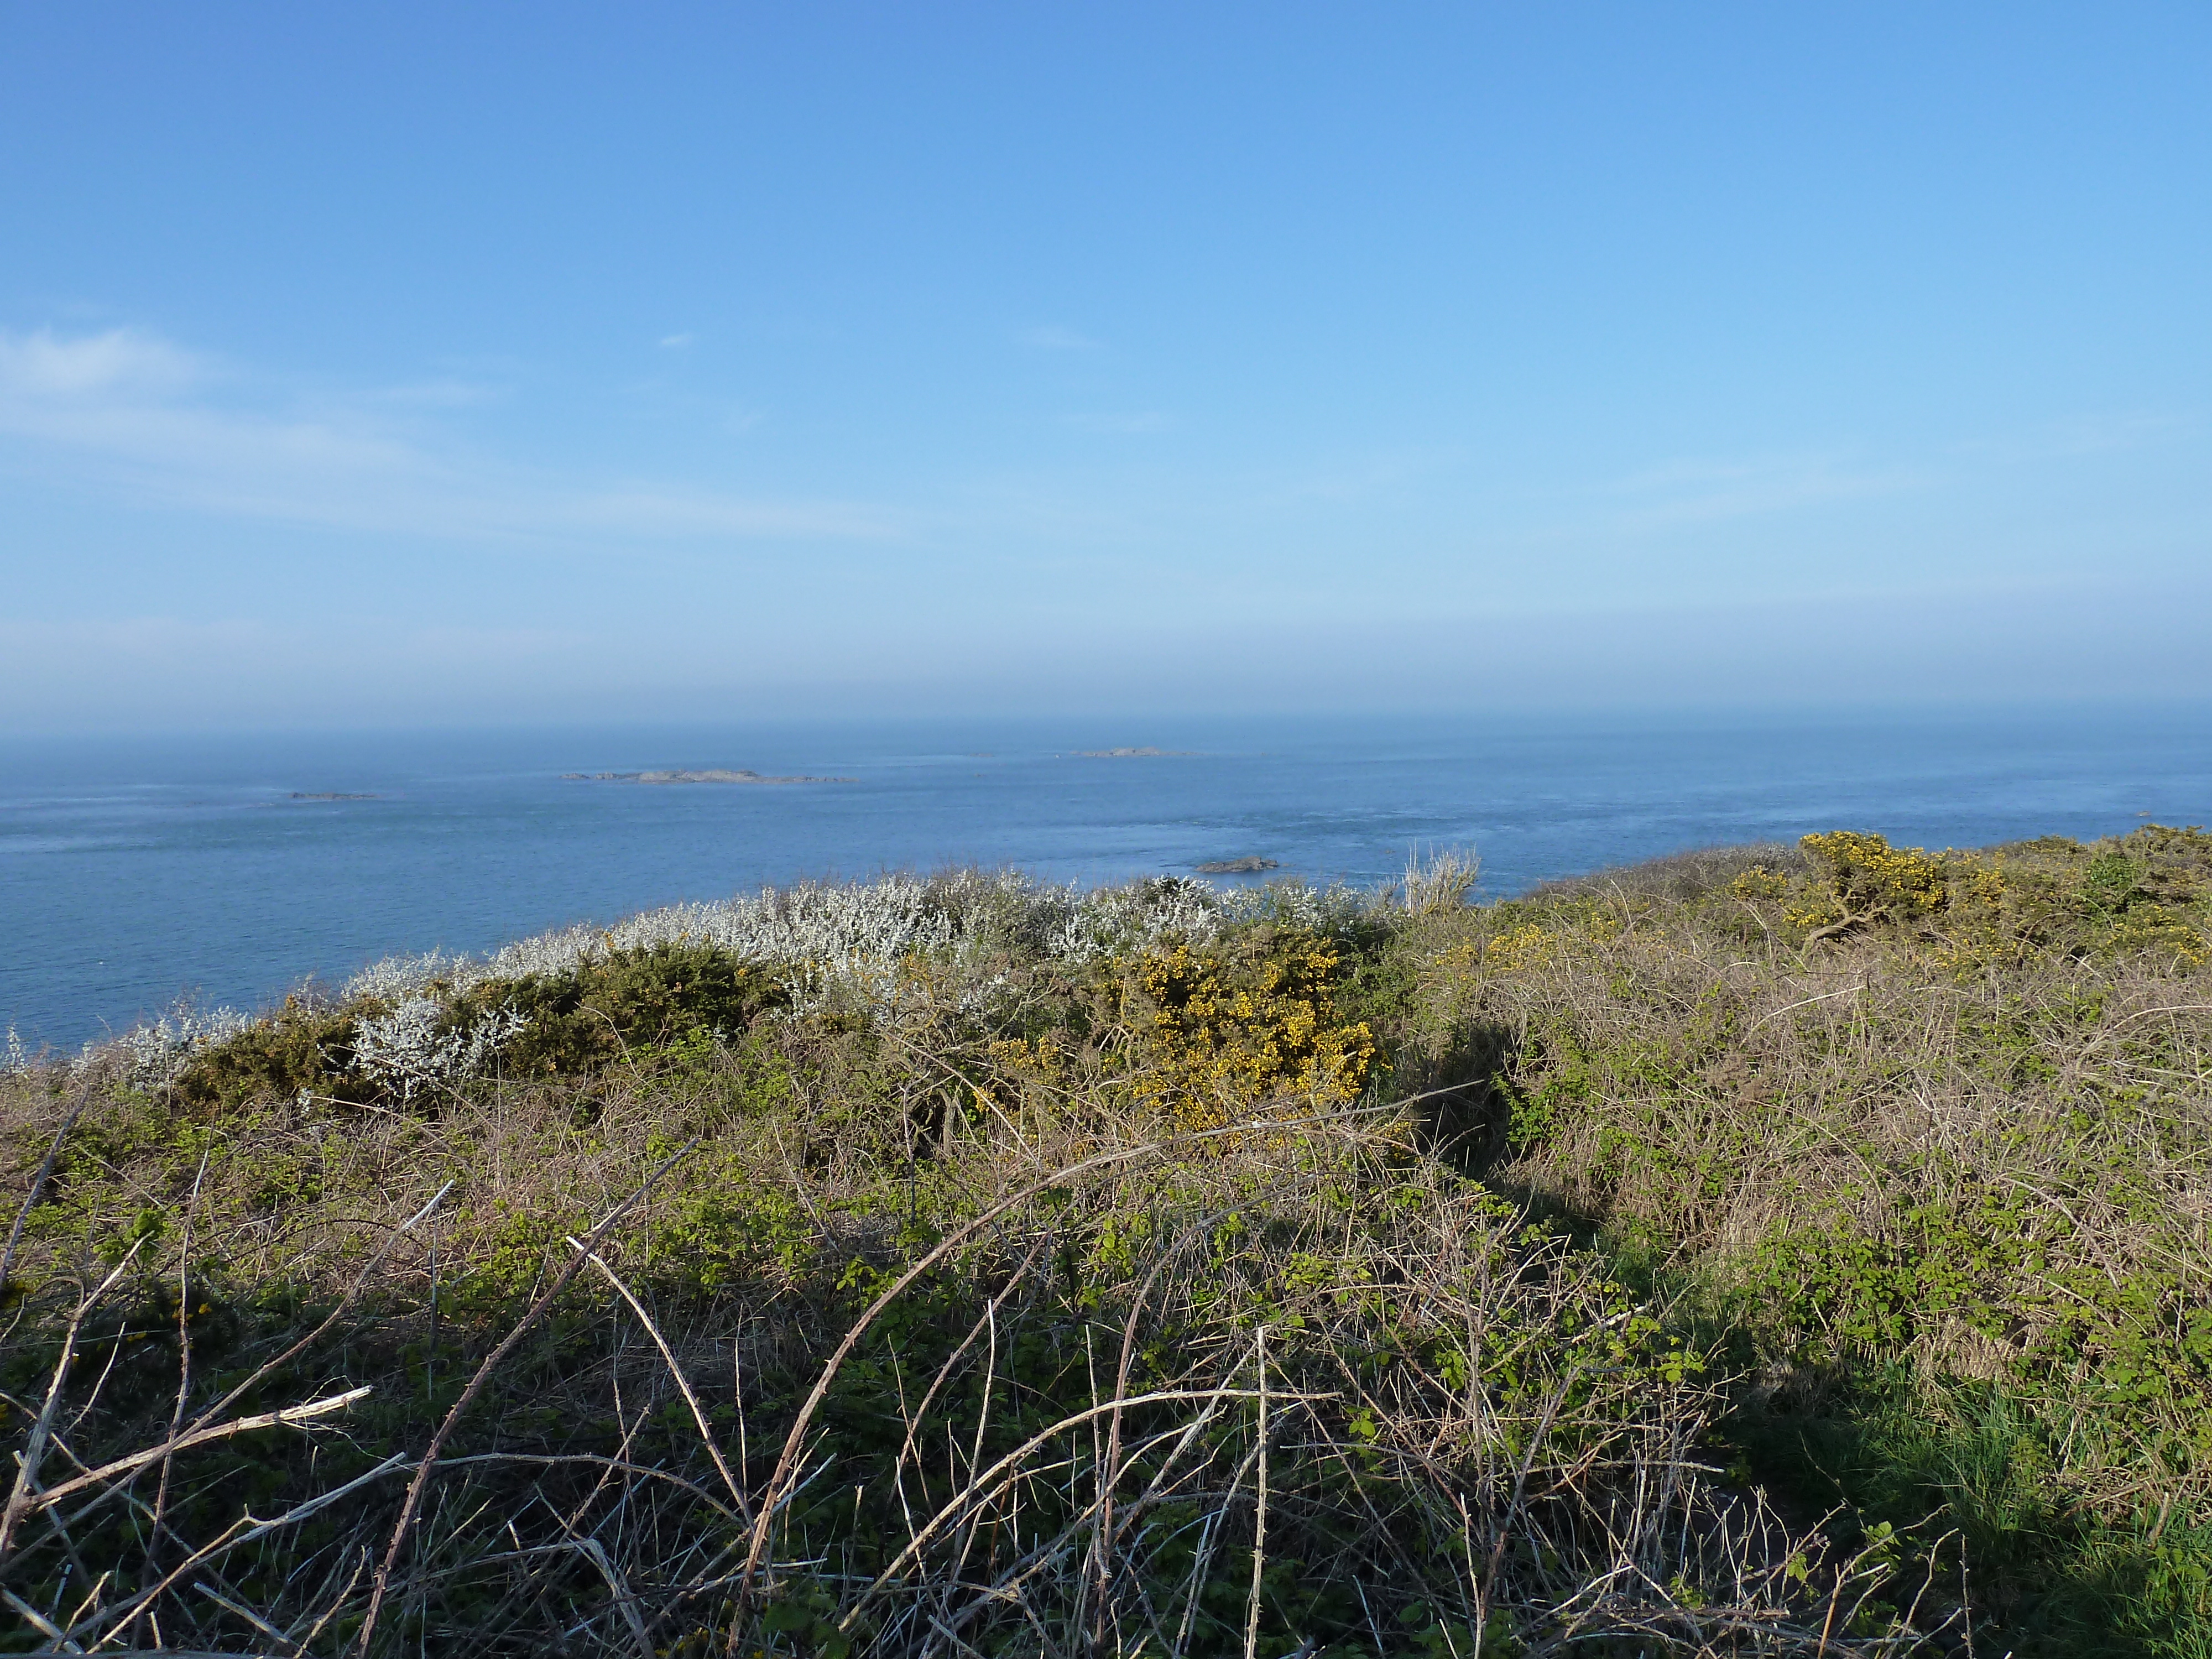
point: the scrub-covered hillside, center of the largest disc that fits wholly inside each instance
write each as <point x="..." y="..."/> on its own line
<point x="1779" y="1249"/>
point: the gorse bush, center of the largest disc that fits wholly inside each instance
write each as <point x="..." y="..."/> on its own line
<point x="1865" y="879"/>
<point x="2022" y="902"/>
<point x="1780" y="1249"/>
<point x="300" y="1049"/>
<point x="1220" y="1032"/>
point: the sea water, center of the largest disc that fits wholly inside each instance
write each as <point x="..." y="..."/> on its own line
<point x="135" y="872"/>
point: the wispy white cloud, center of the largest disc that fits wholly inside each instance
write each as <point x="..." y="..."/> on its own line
<point x="676" y="342"/>
<point x="1051" y="338"/>
<point x="121" y="362"/>
<point x="125" y="410"/>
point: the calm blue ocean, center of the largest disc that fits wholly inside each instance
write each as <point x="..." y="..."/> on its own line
<point x="133" y="873"/>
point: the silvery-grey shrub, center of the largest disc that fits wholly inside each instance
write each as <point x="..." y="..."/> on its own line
<point x="855" y="935"/>
<point x="150" y="1055"/>
<point x="845" y="940"/>
<point x="406" y="1051"/>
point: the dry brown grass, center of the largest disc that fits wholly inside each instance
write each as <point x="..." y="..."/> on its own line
<point x="1936" y="1140"/>
<point x="822" y="1340"/>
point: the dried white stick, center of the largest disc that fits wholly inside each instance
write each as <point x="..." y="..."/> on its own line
<point x="287" y="1417"/>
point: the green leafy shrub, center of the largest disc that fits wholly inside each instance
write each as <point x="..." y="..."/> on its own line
<point x="302" y="1049"/>
<point x="608" y="1008"/>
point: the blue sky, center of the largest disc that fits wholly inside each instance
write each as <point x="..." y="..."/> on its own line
<point x="380" y="365"/>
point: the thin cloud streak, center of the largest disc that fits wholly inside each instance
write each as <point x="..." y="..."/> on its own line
<point x="142" y="419"/>
<point x="120" y="360"/>
<point x="135" y="412"/>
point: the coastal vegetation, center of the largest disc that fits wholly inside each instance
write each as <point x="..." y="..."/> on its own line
<point x="1798" y="1250"/>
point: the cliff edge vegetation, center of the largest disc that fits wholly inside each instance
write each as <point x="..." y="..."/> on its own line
<point x="1792" y="1250"/>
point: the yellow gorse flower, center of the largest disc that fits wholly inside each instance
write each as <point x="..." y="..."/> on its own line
<point x="1213" y="1040"/>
